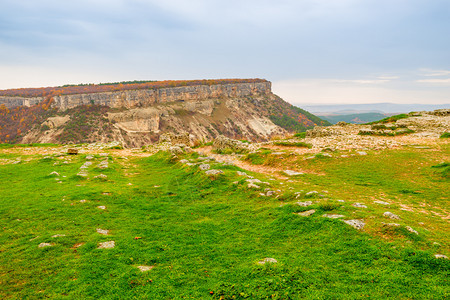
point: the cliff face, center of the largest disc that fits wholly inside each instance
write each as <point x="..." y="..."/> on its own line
<point x="138" y="117"/>
<point x="143" y="98"/>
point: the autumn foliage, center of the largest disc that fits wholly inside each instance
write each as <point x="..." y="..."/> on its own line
<point x="117" y="86"/>
<point x="19" y="120"/>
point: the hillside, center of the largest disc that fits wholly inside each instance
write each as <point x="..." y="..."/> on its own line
<point x="137" y="114"/>
<point x="347" y="212"/>
<point x="358" y="118"/>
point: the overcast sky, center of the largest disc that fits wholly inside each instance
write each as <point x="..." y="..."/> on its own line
<point x="314" y="51"/>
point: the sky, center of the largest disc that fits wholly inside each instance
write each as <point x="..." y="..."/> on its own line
<point x="313" y="51"/>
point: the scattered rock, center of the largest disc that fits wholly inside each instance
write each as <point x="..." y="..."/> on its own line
<point x="204" y="167"/>
<point x="306" y="213"/>
<point x="42" y="245"/>
<point x="82" y="173"/>
<point x="54" y="173"/>
<point x="107" y="245"/>
<point x="103" y="165"/>
<point x="213" y="172"/>
<point x="340" y="200"/>
<point x="359" y="205"/>
<point x="222" y="143"/>
<point x="391" y="215"/>
<point x="267" y="260"/>
<point x="58" y="235"/>
<point x="83" y="201"/>
<point x="304" y="204"/>
<point x="311" y="194"/>
<point x="86" y="165"/>
<point x="358" y="224"/>
<point x="411" y="230"/>
<point x="292" y="173"/>
<point x="101" y="176"/>
<point x="253" y="180"/>
<point x="253" y="186"/>
<point x="184" y="161"/>
<point x="241" y="173"/>
<point x="101" y="207"/>
<point x="270" y="193"/>
<point x="391" y="224"/>
<point x="381" y="202"/>
<point x="333" y="216"/>
<point x="145" y="268"/>
<point x="362" y="153"/>
<point x="89" y="157"/>
<point x="102" y="231"/>
<point x="440" y="256"/>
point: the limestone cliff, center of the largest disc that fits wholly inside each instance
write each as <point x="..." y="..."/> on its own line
<point x="138" y="117"/>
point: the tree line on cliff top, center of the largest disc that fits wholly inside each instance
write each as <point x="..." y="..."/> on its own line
<point x="117" y="86"/>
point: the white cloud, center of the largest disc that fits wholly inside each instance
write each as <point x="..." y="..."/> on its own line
<point x="445" y="81"/>
<point x="432" y="73"/>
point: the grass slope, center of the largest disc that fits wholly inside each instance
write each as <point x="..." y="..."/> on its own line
<point x="203" y="236"/>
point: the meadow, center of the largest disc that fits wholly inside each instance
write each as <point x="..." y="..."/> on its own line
<point x="204" y="237"/>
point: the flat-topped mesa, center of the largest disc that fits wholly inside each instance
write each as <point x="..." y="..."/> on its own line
<point x="143" y="96"/>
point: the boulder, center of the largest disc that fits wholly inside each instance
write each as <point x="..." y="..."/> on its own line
<point x="222" y="143"/>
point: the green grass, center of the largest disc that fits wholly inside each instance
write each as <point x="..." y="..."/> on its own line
<point x="445" y="135"/>
<point x="201" y="235"/>
<point x="391" y="119"/>
<point x="292" y="144"/>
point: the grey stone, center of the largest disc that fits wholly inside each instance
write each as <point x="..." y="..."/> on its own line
<point x="306" y="213"/>
<point x="145" y="268"/>
<point x="333" y="216"/>
<point x="253" y="186"/>
<point x="391" y="215"/>
<point x="102" y="231"/>
<point x="107" y="245"/>
<point x="253" y="180"/>
<point x="42" y="245"/>
<point x="304" y="204"/>
<point x="270" y="193"/>
<point x="54" y="173"/>
<point x="184" y="161"/>
<point x="440" y="256"/>
<point x="381" y="202"/>
<point x="204" y="167"/>
<point x="82" y="173"/>
<point x="411" y="230"/>
<point x="292" y="173"/>
<point x="267" y="260"/>
<point x="101" y="207"/>
<point x="58" y="235"/>
<point x="101" y="176"/>
<point x="362" y="153"/>
<point x="214" y="172"/>
<point x="241" y="173"/>
<point x="311" y="193"/>
<point x="89" y="157"/>
<point x="103" y="165"/>
<point x="358" y="224"/>
<point x="359" y="205"/>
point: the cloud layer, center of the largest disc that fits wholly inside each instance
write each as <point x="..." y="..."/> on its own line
<point x="348" y="43"/>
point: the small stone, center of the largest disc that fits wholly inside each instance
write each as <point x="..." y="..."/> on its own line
<point x="359" y="205"/>
<point x="253" y="186"/>
<point x="204" y="167"/>
<point x="101" y="176"/>
<point x="381" y="202"/>
<point x="340" y="200"/>
<point x="306" y="213"/>
<point x="83" y="174"/>
<point x="101" y="207"/>
<point x="102" y="231"/>
<point x="311" y="194"/>
<point x="58" y="235"/>
<point x="241" y="173"/>
<point x="391" y="215"/>
<point x="304" y="204"/>
<point x="267" y="260"/>
<point x="361" y="153"/>
<point x="145" y="268"/>
<point x="440" y="256"/>
<point x="411" y="230"/>
<point x="107" y="245"/>
<point x="391" y="224"/>
<point x="270" y="193"/>
<point x="292" y="173"/>
<point x="358" y="224"/>
<point x="89" y="157"/>
<point x="184" y="161"/>
<point x="129" y="183"/>
<point x="213" y="172"/>
<point x="54" y="173"/>
<point x="254" y="180"/>
<point x="333" y="216"/>
<point x="103" y="165"/>
<point x="83" y="201"/>
<point x="42" y="245"/>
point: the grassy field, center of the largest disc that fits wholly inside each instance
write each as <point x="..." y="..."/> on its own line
<point x="204" y="236"/>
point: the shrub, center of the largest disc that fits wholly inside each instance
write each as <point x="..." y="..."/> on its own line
<point x="292" y="144"/>
<point x="445" y="135"/>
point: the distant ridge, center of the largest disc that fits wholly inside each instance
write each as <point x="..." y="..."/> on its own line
<point x="371" y="107"/>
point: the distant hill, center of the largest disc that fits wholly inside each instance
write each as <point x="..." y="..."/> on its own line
<point x="371" y="107"/>
<point x="353" y="118"/>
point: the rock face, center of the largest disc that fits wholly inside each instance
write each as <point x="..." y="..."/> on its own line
<point x="148" y="97"/>
<point x="135" y="118"/>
